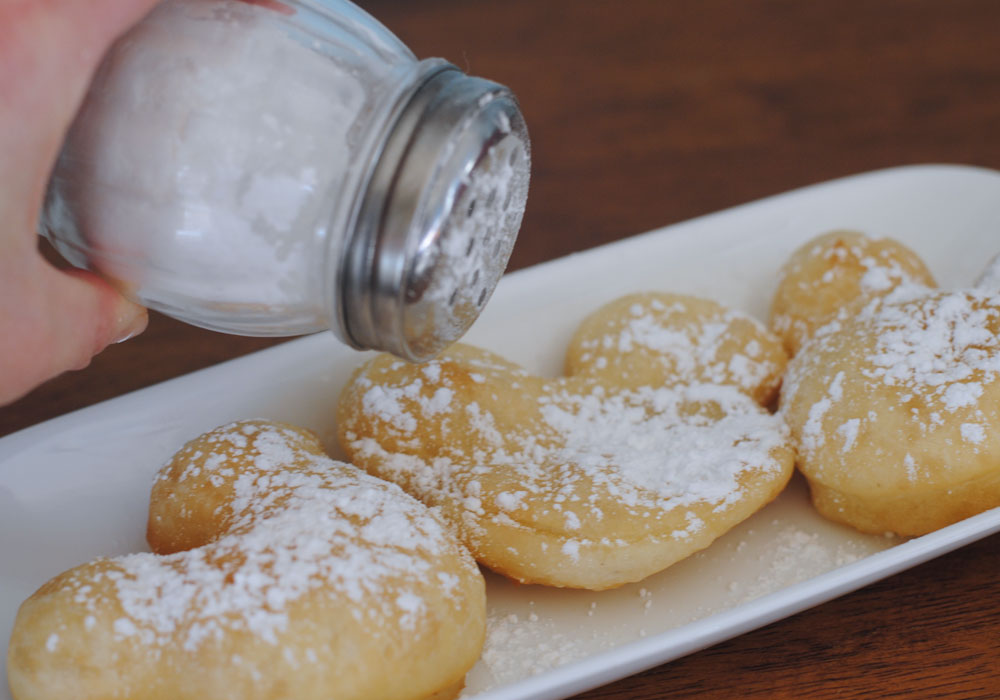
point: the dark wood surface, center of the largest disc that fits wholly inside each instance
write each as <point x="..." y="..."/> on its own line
<point x="649" y="112"/>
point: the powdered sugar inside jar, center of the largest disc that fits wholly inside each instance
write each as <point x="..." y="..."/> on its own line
<point x="284" y="167"/>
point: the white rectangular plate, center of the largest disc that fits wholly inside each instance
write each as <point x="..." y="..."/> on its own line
<point x="76" y="487"/>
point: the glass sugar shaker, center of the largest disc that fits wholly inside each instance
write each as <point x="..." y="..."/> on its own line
<point x="280" y="167"/>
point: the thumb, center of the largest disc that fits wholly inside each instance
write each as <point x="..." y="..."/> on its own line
<point x="57" y="321"/>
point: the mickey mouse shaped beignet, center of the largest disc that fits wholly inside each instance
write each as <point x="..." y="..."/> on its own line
<point x="595" y="479"/>
<point x="279" y="573"/>
<point x="895" y="411"/>
<point x="894" y="403"/>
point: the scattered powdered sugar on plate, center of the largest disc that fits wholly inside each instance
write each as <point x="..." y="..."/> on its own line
<point x="523" y="643"/>
<point x="520" y="646"/>
<point x="527" y="640"/>
<point x="792" y="555"/>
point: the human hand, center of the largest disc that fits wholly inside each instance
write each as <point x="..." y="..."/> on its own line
<point x="50" y="320"/>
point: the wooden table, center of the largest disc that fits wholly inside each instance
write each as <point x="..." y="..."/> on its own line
<point x="649" y="112"/>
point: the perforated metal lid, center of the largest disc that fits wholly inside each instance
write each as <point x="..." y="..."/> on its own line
<point x="439" y="218"/>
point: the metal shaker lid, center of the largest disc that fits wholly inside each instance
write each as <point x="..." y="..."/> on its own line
<point x="438" y="219"/>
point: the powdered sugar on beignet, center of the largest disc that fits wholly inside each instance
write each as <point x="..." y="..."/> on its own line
<point x="660" y="339"/>
<point x="895" y="411"/>
<point x="580" y="481"/>
<point x="279" y="572"/>
<point x="826" y="278"/>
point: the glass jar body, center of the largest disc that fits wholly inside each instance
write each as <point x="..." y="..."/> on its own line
<point x="218" y="158"/>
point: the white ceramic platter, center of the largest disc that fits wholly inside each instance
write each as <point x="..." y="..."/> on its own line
<point x="76" y="487"/>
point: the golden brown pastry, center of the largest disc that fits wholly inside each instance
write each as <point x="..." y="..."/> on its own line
<point x="591" y="480"/>
<point x="277" y="573"/>
<point x="895" y="411"/>
<point x="827" y="277"/>
<point x="659" y="339"/>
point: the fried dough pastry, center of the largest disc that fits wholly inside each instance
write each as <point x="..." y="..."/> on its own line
<point x="827" y="278"/>
<point x="895" y="411"/>
<point x="658" y="339"/>
<point x="276" y="573"/>
<point x="592" y="480"/>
